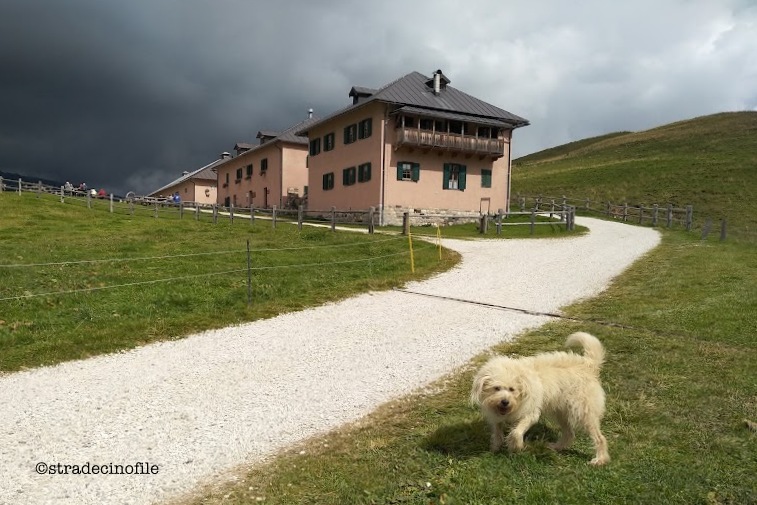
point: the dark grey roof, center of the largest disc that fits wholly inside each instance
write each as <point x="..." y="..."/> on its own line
<point x="291" y="134"/>
<point x="267" y="133"/>
<point x="204" y="173"/>
<point x="451" y="115"/>
<point x="359" y="90"/>
<point x="243" y="145"/>
<point x="413" y="89"/>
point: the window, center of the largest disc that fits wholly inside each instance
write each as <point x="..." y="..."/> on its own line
<point x="305" y="191"/>
<point x="427" y="124"/>
<point x="486" y="178"/>
<point x="328" y="142"/>
<point x="408" y="171"/>
<point x="328" y="181"/>
<point x="249" y="171"/>
<point x="226" y="184"/>
<point x="350" y="134"/>
<point x="315" y="146"/>
<point x="364" y="128"/>
<point x="364" y="172"/>
<point x="239" y="176"/>
<point x="263" y="165"/>
<point x="409" y="122"/>
<point x="348" y="176"/>
<point x="454" y="176"/>
<point x="456" y="127"/>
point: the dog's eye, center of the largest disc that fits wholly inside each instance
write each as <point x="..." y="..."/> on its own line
<point x="511" y="389"/>
<point x="497" y="388"/>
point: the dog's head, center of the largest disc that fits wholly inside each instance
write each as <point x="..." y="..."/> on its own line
<point x="498" y="388"/>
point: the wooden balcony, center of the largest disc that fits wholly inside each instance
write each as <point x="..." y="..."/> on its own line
<point x="452" y="142"/>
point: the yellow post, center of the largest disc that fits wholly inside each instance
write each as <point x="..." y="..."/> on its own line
<point x="412" y="258"/>
<point x="439" y="240"/>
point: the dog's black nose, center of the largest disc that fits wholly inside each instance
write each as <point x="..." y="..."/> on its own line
<point x="504" y="403"/>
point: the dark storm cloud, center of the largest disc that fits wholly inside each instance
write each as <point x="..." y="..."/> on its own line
<point x="127" y="95"/>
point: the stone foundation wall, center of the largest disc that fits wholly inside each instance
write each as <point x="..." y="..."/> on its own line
<point x="427" y="217"/>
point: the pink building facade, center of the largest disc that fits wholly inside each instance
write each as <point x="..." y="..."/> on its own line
<point x="416" y="145"/>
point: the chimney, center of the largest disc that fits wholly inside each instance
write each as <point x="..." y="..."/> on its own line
<point x="310" y="113"/>
<point x="225" y="155"/>
<point x="185" y="172"/>
<point x="437" y="82"/>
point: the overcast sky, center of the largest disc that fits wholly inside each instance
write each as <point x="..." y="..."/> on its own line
<point x="126" y="95"/>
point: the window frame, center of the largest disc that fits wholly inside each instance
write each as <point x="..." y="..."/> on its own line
<point x="328" y="181"/>
<point x="349" y="176"/>
<point x="365" y="128"/>
<point x="263" y="165"/>
<point x="460" y="173"/>
<point x="364" y="172"/>
<point x="249" y="172"/>
<point x="350" y="134"/>
<point x="328" y="142"/>
<point x="413" y="168"/>
<point x="315" y="147"/>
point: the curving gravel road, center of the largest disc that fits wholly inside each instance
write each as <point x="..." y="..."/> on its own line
<point x="199" y="406"/>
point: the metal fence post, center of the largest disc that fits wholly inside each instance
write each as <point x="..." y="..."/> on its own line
<point x="273" y="215"/>
<point x="333" y="218"/>
<point x="299" y="217"/>
<point x="249" y="275"/>
<point x="499" y="221"/>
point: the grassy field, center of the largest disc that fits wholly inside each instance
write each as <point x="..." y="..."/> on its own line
<point x="680" y="375"/>
<point x="708" y="162"/>
<point x="194" y="277"/>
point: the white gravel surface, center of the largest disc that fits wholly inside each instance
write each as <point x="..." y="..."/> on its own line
<point x="201" y="405"/>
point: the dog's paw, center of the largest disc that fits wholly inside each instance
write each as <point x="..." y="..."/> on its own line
<point x="514" y="443"/>
<point x="600" y="460"/>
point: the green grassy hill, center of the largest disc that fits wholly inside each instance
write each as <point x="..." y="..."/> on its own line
<point x="709" y="162"/>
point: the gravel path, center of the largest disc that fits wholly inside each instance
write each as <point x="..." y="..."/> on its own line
<point x="201" y="405"/>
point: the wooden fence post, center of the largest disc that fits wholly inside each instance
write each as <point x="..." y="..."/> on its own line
<point x="371" y="217"/>
<point x="655" y="209"/>
<point x="405" y="223"/>
<point x="607" y="209"/>
<point x="131" y="207"/>
<point x="299" y="217"/>
<point x="706" y="228"/>
<point x="111" y="203"/>
<point x="670" y="215"/>
<point x="625" y="212"/>
<point x="19" y="185"/>
<point x="273" y="217"/>
<point x="522" y="203"/>
<point x="2" y="186"/>
<point x="537" y="203"/>
<point x="689" y="217"/>
<point x="333" y="218"/>
<point x="587" y="204"/>
<point x="39" y="188"/>
<point x="89" y="201"/>
<point x="484" y="225"/>
<point x="252" y="215"/>
<point x="181" y="210"/>
<point x="156" y="209"/>
<point x="533" y="220"/>
<point x="499" y="221"/>
<point x="641" y="213"/>
<point x="215" y="213"/>
<point x="231" y="213"/>
<point x="723" y="226"/>
<point x="62" y="193"/>
<point x="552" y="209"/>
<point x="197" y="211"/>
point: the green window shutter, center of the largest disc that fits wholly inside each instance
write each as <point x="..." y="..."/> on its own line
<point x="367" y="175"/>
<point x="461" y="178"/>
<point x="416" y="172"/>
<point x="399" y="171"/>
<point x="486" y="178"/>
<point x="353" y="174"/>
<point x="368" y="128"/>
<point x="347" y="135"/>
<point x="325" y="181"/>
<point x="445" y="178"/>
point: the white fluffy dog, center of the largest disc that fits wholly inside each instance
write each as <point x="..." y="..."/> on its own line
<point x="561" y="385"/>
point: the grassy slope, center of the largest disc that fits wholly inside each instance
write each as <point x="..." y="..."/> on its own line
<point x="709" y="162"/>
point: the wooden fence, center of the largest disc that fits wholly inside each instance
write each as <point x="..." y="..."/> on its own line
<point x="565" y="215"/>
<point x="655" y="215"/>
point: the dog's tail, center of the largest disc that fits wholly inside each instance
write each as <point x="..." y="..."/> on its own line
<point x="593" y="348"/>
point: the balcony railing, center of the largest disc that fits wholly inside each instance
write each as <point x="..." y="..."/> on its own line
<point x="450" y="141"/>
